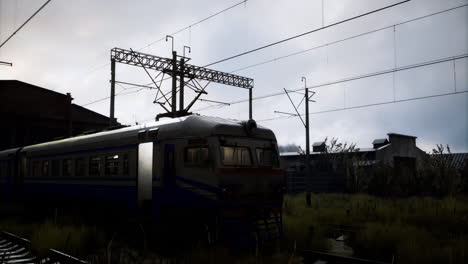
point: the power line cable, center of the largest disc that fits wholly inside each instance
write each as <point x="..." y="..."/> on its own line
<point x="358" y="77"/>
<point x="305" y="33"/>
<point x="272" y="43"/>
<point x="368" y="105"/>
<point x="196" y="23"/>
<point x="341" y="40"/>
<point x="345" y="39"/>
<point x="35" y="13"/>
<point x="175" y="33"/>
<point x="307" y="50"/>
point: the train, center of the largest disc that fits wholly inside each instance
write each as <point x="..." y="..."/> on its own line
<point x="207" y="165"/>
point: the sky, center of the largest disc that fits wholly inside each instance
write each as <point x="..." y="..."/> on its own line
<point x="66" y="48"/>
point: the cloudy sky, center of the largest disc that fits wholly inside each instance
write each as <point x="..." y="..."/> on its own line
<point x="66" y="48"/>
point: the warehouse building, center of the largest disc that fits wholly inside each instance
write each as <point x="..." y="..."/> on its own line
<point x="31" y="114"/>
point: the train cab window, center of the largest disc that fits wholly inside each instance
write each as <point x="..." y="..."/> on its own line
<point x="112" y="165"/>
<point x="196" y="156"/>
<point x="267" y="157"/>
<point x="125" y="168"/>
<point x="95" y="166"/>
<point x="36" y="168"/>
<point x="45" y="168"/>
<point x="66" y="167"/>
<point x="79" y="167"/>
<point x="236" y="156"/>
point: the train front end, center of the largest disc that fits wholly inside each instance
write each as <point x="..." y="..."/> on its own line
<point x="251" y="183"/>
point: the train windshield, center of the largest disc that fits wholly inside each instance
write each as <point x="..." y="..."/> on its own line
<point x="236" y="156"/>
<point x="267" y="157"/>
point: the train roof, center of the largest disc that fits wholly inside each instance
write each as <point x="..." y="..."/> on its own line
<point x="8" y="152"/>
<point x="181" y="127"/>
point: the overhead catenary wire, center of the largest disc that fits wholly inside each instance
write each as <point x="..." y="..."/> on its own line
<point x="22" y="25"/>
<point x="194" y="24"/>
<point x="346" y="39"/>
<point x="367" y="105"/>
<point x="217" y="106"/>
<point x="321" y="46"/>
<point x="358" y="77"/>
<point x="189" y="27"/>
<point x="310" y="49"/>
<point x="305" y="33"/>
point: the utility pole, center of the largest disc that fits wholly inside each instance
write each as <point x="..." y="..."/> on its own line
<point x="307" y="126"/>
<point x="182" y="81"/>
<point x="112" y="96"/>
<point x="69" y="115"/>
<point x="174" y="84"/>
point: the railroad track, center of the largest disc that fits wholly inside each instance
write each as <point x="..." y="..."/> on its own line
<point x="17" y="250"/>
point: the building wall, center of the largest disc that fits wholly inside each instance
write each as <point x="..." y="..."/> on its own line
<point x="30" y="114"/>
<point x="400" y="146"/>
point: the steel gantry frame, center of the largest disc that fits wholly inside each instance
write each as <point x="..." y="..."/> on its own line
<point x="181" y="72"/>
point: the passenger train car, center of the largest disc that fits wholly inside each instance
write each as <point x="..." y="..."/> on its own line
<point x="194" y="162"/>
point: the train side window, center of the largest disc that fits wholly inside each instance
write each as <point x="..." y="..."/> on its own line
<point x="45" y="168"/>
<point x="196" y="156"/>
<point x="36" y="168"/>
<point x="55" y="168"/>
<point x="66" y="167"/>
<point x="267" y="157"/>
<point x="112" y="165"/>
<point x="235" y="156"/>
<point x="125" y="168"/>
<point x="79" y="167"/>
<point x="95" y="166"/>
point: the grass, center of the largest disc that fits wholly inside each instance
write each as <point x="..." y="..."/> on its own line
<point x="414" y="230"/>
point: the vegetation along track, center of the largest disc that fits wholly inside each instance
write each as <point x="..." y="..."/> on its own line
<point x="15" y="249"/>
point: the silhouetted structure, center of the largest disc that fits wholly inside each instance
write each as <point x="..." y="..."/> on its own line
<point x="30" y="114"/>
<point x="398" y="150"/>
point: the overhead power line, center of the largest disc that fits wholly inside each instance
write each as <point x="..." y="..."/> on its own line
<point x="174" y="33"/>
<point x="345" y="39"/>
<point x="196" y="23"/>
<point x="304" y="51"/>
<point x="35" y="13"/>
<point x="341" y="40"/>
<point x="305" y="33"/>
<point x="368" y="105"/>
<point x="358" y="77"/>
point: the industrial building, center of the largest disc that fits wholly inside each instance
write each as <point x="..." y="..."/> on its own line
<point x="31" y="114"/>
<point x="397" y="150"/>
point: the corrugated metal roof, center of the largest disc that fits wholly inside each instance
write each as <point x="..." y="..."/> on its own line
<point x="453" y="160"/>
<point x="318" y="144"/>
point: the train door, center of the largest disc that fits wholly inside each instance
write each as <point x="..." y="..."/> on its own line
<point x="169" y="165"/>
<point x="145" y="176"/>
